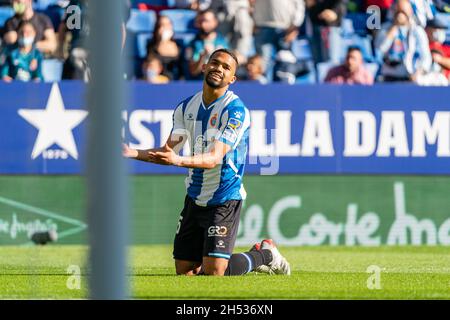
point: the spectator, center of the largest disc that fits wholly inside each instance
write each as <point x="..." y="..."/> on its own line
<point x="164" y="46"/>
<point x="404" y="48"/>
<point x="255" y="70"/>
<point x="440" y="51"/>
<point x="24" y="62"/>
<point x="206" y="42"/>
<point x="352" y="71"/>
<point x="326" y="18"/>
<point x="277" y="26"/>
<point x="423" y="10"/>
<point x="236" y="24"/>
<point x="45" y="34"/>
<point x="152" y="68"/>
<point x="440" y="68"/>
<point x="76" y="64"/>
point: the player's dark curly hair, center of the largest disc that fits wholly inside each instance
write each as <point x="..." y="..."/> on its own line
<point x="229" y="52"/>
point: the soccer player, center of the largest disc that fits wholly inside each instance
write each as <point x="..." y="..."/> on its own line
<point x="216" y="123"/>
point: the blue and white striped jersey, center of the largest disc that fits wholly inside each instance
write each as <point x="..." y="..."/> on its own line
<point x="227" y="120"/>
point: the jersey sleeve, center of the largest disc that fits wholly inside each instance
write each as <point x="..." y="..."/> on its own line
<point x="234" y="123"/>
<point x="178" y="126"/>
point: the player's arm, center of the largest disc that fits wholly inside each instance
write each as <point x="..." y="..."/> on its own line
<point x="207" y="160"/>
<point x="174" y="142"/>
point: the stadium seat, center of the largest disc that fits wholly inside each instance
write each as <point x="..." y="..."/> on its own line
<point x="364" y="43"/>
<point x="445" y="17"/>
<point x="182" y="20"/>
<point x="302" y="49"/>
<point x="141" y="21"/>
<point x="5" y="14"/>
<point x="52" y="70"/>
<point x="142" y="40"/>
<point x="309" y="78"/>
<point x="373" y="68"/>
<point x="184" y="38"/>
<point x="322" y="70"/>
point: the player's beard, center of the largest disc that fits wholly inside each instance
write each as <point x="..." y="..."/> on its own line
<point x="216" y="84"/>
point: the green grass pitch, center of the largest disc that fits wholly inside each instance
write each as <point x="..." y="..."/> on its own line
<point x="317" y="273"/>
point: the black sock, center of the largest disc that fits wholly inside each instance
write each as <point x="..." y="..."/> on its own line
<point x="242" y="263"/>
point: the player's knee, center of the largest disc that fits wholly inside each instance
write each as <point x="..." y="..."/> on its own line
<point x="187" y="269"/>
<point x="214" y="271"/>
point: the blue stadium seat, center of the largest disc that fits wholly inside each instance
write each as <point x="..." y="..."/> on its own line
<point x="373" y="68"/>
<point x="52" y="70"/>
<point x="445" y="17"/>
<point x="142" y="40"/>
<point x="309" y="78"/>
<point x="302" y="49"/>
<point x="182" y="20"/>
<point x="141" y="21"/>
<point x="322" y="70"/>
<point x="184" y="38"/>
<point x="5" y="14"/>
<point x="364" y="43"/>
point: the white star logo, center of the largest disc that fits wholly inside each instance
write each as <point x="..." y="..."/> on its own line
<point x="55" y="124"/>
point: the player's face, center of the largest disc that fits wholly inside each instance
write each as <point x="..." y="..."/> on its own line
<point x="220" y="70"/>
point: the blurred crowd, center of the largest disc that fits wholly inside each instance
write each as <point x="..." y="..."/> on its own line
<point x="288" y="41"/>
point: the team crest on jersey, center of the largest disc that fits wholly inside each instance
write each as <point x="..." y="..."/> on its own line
<point x="234" y="124"/>
<point x="213" y="120"/>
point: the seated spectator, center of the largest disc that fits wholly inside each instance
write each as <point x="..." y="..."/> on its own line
<point x="24" y="62"/>
<point x="440" y="53"/>
<point x="255" y="70"/>
<point x="164" y="46"/>
<point x="352" y="71"/>
<point x="277" y="25"/>
<point x="404" y="48"/>
<point x="206" y="42"/>
<point x="45" y="34"/>
<point x="152" y="69"/>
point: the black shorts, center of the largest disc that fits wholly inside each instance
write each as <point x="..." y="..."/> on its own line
<point x="206" y="231"/>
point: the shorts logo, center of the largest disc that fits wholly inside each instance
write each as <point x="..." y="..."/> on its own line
<point x="217" y="231"/>
<point x="234" y="124"/>
<point x="220" y="244"/>
<point x="190" y="116"/>
<point x="213" y="120"/>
